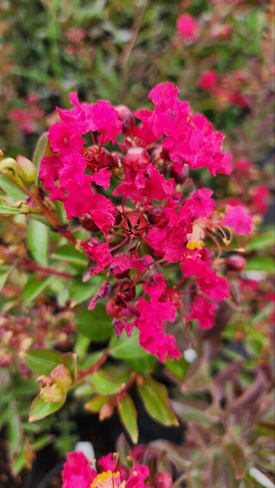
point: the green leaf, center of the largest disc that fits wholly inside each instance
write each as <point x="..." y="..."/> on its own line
<point x="263" y="241"/>
<point x="38" y="241"/>
<point x="236" y="455"/>
<point x="11" y="189"/>
<point x="79" y="291"/>
<point x="95" y="324"/>
<point x="70" y="362"/>
<point x="190" y="411"/>
<point x="7" y="210"/>
<point x="40" y="150"/>
<point x="155" y="399"/>
<point x="33" y="288"/>
<point x="178" y="367"/>
<point x="95" y="404"/>
<point x="91" y="359"/>
<point x="71" y="255"/>
<point x="143" y="364"/>
<point x="104" y="383"/>
<point x="260" y="263"/>
<point x="128" y="416"/>
<point x="4" y="274"/>
<point x="126" y="347"/>
<point x="43" y="361"/>
<point x="40" y="218"/>
<point x="40" y="408"/>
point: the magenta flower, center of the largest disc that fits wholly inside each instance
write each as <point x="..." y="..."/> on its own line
<point x="187" y="27"/>
<point x="208" y="80"/>
<point x="149" y="221"/>
<point x="238" y="219"/>
<point x="77" y="472"/>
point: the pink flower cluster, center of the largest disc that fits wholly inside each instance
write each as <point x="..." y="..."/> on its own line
<point x="228" y="89"/>
<point x="187" y="27"/>
<point x="26" y="119"/>
<point x="137" y="204"/>
<point x="78" y="473"/>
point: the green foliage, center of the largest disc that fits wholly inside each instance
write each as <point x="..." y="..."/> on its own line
<point x="126" y="347"/>
<point x="155" y="399"/>
<point x="128" y="416"/>
<point x="38" y="242"/>
<point x="95" y="324"/>
<point x="41" y="409"/>
<point x="43" y="361"/>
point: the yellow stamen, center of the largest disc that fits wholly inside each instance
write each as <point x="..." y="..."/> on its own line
<point x="107" y="480"/>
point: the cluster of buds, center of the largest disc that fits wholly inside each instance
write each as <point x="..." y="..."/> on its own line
<point x="20" y="169"/>
<point x="144" y="216"/>
<point x="53" y="388"/>
<point x="41" y="328"/>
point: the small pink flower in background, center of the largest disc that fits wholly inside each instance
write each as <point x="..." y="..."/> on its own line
<point x="26" y="118"/>
<point x="23" y="120"/>
<point x="260" y="196"/>
<point x="208" y="80"/>
<point x="75" y="35"/>
<point x="238" y="219"/>
<point x="187" y="27"/>
<point x="162" y="480"/>
<point x="221" y="30"/>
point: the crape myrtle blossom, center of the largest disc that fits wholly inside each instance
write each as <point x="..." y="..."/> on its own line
<point x="135" y="203"/>
<point x="78" y="473"/>
<point x="187" y="27"/>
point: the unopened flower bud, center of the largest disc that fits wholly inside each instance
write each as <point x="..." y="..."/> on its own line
<point x="113" y="308"/>
<point x="118" y="158"/>
<point x="162" y="480"/>
<point x="26" y="169"/>
<point x="118" y="217"/>
<point x="127" y="290"/>
<point x="87" y="223"/>
<point x="235" y="262"/>
<point x="126" y="117"/>
<point x="136" y="158"/>
<point x="106" y="411"/>
<point x="62" y="376"/>
<point x="182" y="176"/>
<point x="1" y="155"/>
<point x="52" y="394"/>
<point x="8" y="167"/>
<point x="156" y="215"/>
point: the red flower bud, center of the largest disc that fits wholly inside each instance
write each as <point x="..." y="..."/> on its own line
<point x="87" y="223"/>
<point x="127" y="290"/>
<point x="162" y="480"/>
<point x="136" y="158"/>
<point x="113" y="307"/>
<point x="235" y="262"/>
<point x="182" y="176"/>
<point x="156" y="215"/>
<point x="62" y="376"/>
<point x="118" y="158"/>
<point x="126" y="117"/>
<point x="118" y="217"/>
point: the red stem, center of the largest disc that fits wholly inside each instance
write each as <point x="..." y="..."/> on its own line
<point x="91" y="369"/>
<point x="46" y="270"/>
